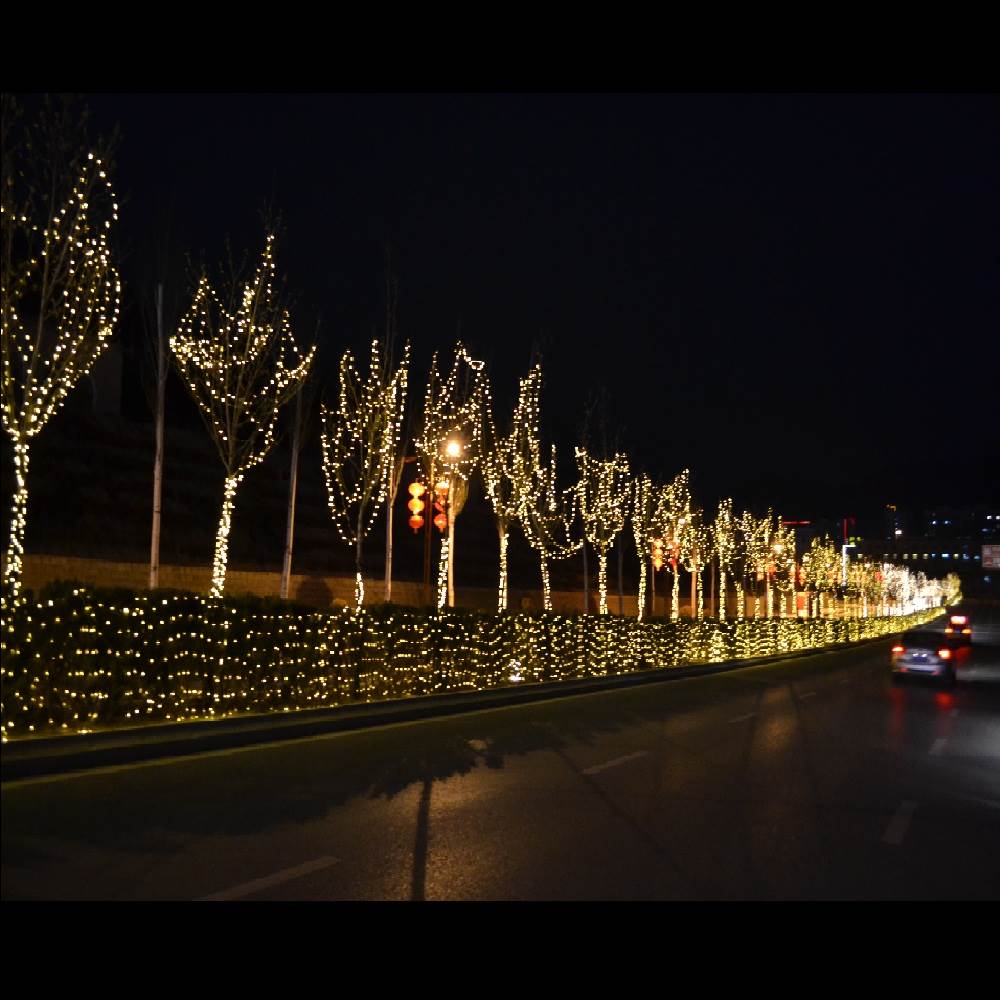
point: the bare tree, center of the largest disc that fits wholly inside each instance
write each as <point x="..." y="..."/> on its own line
<point x="604" y="490"/>
<point x="241" y="364"/>
<point x="646" y="515"/>
<point x="360" y="441"/>
<point x="60" y="293"/>
<point x="676" y="506"/>
<point x="724" y="541"/>
<point x="448" y="446"/>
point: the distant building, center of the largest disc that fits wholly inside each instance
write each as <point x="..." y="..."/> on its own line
<point x="942" y="540"/>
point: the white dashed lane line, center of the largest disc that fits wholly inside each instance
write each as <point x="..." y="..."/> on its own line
<point x="259" y="884"/>
<point x="743" y="718"/>
<point x="597" y="768"/>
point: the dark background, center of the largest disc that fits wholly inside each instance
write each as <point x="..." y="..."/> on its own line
<point x="796" y="296"/>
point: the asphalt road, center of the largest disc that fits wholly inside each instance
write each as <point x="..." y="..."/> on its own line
<point x="812" y="778"/>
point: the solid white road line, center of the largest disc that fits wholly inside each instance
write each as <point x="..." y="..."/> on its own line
<point x="900" y="823"/>
<point x="597" y="768"/>
<point x="938" y="748"/>
<point x="286" y="875"/>
<point x="743" y="718"/>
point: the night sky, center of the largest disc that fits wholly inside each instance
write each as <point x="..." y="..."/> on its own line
<point x="798" y="297"/>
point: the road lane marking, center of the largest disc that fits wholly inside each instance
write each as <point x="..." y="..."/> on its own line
<point x="597" y="768"/>
<point x="938" y="748"/>
<point x="743" y="718"/>
<point x="807" y="694"/>
<point x="900" y="823"/>
<point x="285" y="875"/>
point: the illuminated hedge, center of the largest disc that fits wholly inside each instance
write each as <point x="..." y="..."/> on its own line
<point x="85" y="661"/>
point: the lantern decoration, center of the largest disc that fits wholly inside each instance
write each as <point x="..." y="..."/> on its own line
<point x="441" y="506"/>
<point x="416" y="505"/>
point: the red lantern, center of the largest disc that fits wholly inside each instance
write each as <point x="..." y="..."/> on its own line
<point x="416" y="505"/>
<point x="441" y="522"/>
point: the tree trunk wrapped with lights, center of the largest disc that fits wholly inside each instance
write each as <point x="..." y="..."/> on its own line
<point x="677" y="538"/>
<point x="241" y="365"/>
<point x="724" y="541"/>
<point x="360" y="439"/>
<point x="604" y="490"/>
<point x="449" y="441"/>
<point x="60" y="294"/>
<point x="545" y="512"/>
<point x="647" y="529"/>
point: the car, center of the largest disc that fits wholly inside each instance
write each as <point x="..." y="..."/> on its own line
<point x="959" y="628"/>
<point x="923" y="654"/>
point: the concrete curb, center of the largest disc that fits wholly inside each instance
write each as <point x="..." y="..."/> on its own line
<point x="65" y="754"/>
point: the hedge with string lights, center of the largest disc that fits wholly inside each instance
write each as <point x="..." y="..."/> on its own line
<point x="84" y="659"/>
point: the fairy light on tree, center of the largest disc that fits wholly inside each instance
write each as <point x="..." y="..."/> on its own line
<point x="696" y="555"/>
<point x="604" y="490"/>
<point x="783" y="563"/>
<point x="360" y="439"/>
<point x="241" y="364"/>
<point x="547" y="514"/>
<point x="819" y="570"/>
<point x="501" y="466"/>
<point x="676" y="513"/>
<point x="756" y="550"/>
<point x="724" y="545"/>
<point x="646" y="528"/>
<point x="60" y="292"/>
<point x="447" y="443"/>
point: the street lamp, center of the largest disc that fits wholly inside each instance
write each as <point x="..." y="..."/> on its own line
<point x="454" y="448"/>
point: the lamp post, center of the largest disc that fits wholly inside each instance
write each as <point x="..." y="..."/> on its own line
<point x="453" y="449"/>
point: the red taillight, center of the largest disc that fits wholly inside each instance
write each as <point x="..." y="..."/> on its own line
<point x="966" y="631"/>
<point x="898" y="649"/>
<point x="945" y="654"/>
<point x="959" y="619"/>
<point x="948" y="631"/>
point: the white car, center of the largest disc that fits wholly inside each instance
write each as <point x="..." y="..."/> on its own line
<point x="923" y="654"/>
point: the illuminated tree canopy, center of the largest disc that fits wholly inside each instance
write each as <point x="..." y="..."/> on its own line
<point x="60" y="292"/>
<point x="237" y="355"/>
<point x="360" y="439"/>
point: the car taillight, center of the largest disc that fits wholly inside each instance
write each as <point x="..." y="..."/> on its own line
<point x="959" y="619"/>
<point x="945" y="654"/>
<point x="948" y="631"/>
<point x="898" y="649"/>
<point x="966" y="631"/>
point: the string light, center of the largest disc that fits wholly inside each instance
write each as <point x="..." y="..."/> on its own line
<point x="359" y="440"/>
<point x="241" y="365"/>
<point x="724" y="542"/>
<point x="452" y="413"/>
<point x="61" y="269"/>
<point x="646" y="527"/>
<point x="546" y="512"/>
<point x="84" y="662"/>
<point x="675" y="515"/>
<point x="604" y="490"/>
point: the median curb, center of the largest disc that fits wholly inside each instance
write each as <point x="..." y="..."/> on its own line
<point x="55" y="755"/>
